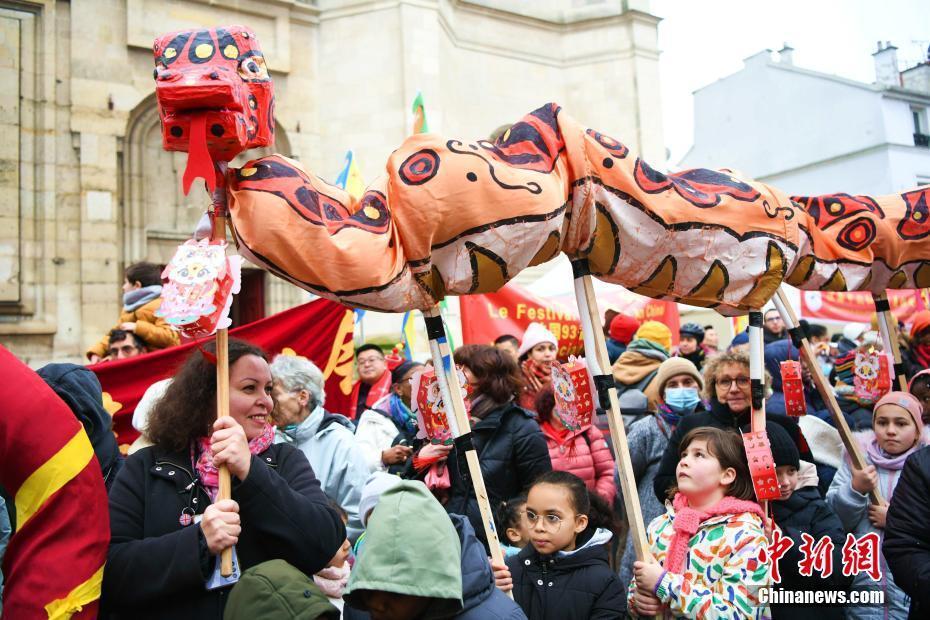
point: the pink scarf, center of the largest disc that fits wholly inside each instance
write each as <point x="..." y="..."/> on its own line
<point x="332" y="580"/>
<point x="688" y="520"/>
<point x="209" y="474"/>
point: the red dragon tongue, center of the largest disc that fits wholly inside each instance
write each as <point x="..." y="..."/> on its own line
<point x="199" y="162"/>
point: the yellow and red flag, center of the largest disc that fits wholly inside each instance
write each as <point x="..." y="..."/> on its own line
<point x="53" y="566"/>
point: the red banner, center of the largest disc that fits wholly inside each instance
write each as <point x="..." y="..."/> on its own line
<point x="511" y="310"/>
<point x="320" y="330"/>
<point x="857" y="307"/>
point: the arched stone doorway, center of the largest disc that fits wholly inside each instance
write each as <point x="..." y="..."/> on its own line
<point x="155" y="215"/>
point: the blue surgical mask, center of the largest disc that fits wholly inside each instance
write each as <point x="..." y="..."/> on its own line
<point x="682" y="400"/>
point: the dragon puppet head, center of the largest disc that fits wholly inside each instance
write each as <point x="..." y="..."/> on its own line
<point x="215" y="97"/>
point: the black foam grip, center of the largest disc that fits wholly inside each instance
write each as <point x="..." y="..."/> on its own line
<point x="755" y="319"/>
<point x="797" y="334"/>
<point x="758" y="394"/>
<point x="603" y="383"/>
<point x="882" y="305"/>
<point x="580" y="268"/>
<point x="434" y="327"/>
<point x="900" y="370"/>
<point x="463" y="443"/>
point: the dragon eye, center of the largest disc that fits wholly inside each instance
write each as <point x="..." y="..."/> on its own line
<point x="253" y="68"/>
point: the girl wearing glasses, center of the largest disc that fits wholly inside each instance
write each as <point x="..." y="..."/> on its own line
<point x="564" y="572"/>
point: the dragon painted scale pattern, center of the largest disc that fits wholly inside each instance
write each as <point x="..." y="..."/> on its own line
<point x="454" y="217"/>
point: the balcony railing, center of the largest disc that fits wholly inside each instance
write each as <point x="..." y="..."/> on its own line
<point x="922" y="139"/>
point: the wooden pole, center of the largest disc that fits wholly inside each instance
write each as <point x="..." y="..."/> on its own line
<point x="783" y="305"/>
<point x="458" y="422"/>
<point x="757" y="382"/>
<point x="599" y="364"/>
<point x="222" y="358"/>
<point x="888" y="325"/>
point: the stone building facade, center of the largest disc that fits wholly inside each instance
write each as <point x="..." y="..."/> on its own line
<point x="86" y="189"/>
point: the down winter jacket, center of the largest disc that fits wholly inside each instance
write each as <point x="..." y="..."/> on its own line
<point x="907" y="533"/>
<point x="512" y="452"/>
<point x="157" y="567"/>
<point x="586" y="454"/>
<point x="327" y="441"/>
<point x="568" y="585"/>
<point x="724" y="569"/>
<point x="852" y="509"/>
<point x="150" y="328"/>
<point x="806" y="513"/>
<point x="441" y="561"/>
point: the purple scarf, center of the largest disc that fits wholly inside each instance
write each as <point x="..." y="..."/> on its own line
<point x="882" y="459"/>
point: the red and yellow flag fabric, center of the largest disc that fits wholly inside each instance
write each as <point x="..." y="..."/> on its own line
<point x="319" y="330"/>
<point x="53" y="566"/>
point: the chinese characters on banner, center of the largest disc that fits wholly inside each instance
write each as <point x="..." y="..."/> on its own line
<point x="511" y="310"/>
<point x="860" y="555"/>
<point x="857" y="307"/>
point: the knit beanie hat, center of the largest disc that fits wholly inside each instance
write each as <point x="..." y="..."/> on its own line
<point x="397" y="375"/>
<point x="535" y="334"/>
<point x="378" y="483"/>
<point x="906" y="401"/>
<point x="676" y="366"/>
<point x="739" y="339"/>
<point x="622" y="328"/>
<point x="655" y="332"/>
<point x="919" y="322"/>
<point x="784" y="450"/>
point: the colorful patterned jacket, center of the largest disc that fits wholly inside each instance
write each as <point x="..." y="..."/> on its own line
<point x="727" y="562"/>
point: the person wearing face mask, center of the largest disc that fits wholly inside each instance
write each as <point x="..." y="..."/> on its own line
<point x="728" y="393"/>
<point x="679" y="386"/>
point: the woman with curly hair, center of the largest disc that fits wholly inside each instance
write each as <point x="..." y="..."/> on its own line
<point x="510" y="446"/>
<point x="168" y="530"/>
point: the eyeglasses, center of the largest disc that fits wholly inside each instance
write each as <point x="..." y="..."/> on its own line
<point x="772" y="319"/>
<point x="727" y="383"/>
<point x="369" y="360"/>
<point x="550" y="522"/>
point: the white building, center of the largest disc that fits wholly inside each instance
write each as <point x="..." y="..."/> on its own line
<point x="808" y="132"/>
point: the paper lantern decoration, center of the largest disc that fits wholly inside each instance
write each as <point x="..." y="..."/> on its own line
<point x="201" y="282"/>
<point x="215" y="97"/>
<point x="761" y="465"/>
<point x="429" y="406"/>
<point x="793" y="388"/>
<point x="571" y="386"/>
<point x="871" y="375"/>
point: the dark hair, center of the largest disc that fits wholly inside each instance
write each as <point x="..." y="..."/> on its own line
<point x="188" y="408"/>
<point x="775" y="310"/>
<point x="117" y="335"/>
<point x="545" y="403"/>
<point x="507" y="338"/>
<point x="584" y="502"/>
<point x="706" y="327"/>
<point x="339" y="509"/>
<point x="727" y="447"/>
<point x="497" y="373"/>
<point x="508" y="514"/>
<point x="146" y="274"/>
<point x="368" y="347"/>
<point x="816" y="330"/>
